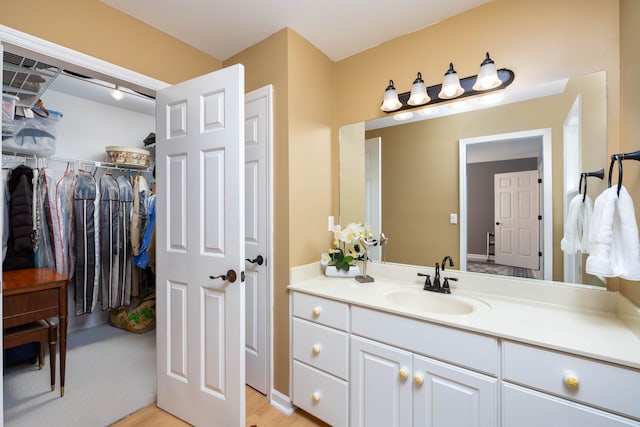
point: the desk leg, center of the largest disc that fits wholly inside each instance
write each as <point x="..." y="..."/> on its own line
<point x="53" y="337"/>
<point x="63" y="335"/>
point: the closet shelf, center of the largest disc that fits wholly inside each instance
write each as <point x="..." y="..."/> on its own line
<point x="26" y="78"/>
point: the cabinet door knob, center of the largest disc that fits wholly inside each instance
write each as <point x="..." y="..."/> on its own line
<point x="404" y="374"/>
<point x="315" y="349"/>
<point x="571" y="380"/>
<point x="418" y="379"/>
<point x="315" y="396"/>
<point x="316" y="311"/>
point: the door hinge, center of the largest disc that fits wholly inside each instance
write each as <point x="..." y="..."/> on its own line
<point x="539" y="253"/>
<point x="539" y="180"/>
<point x="539" y="217"/>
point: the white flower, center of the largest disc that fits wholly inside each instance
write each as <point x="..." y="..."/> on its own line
<point x="325" y="258"/>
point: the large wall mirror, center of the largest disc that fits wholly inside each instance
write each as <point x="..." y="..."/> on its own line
<point x="428" y="183"/>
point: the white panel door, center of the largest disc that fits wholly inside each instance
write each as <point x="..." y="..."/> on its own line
<point x="200" y="241"/>
<point x="517" y="237"/>
<point x="257" y="143"/>
<point x="447" y="396"/>
<point x="380" y="385"/>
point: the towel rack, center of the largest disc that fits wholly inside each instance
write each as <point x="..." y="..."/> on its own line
<point x="584" y="175"/>
<point x="635" y="155"/>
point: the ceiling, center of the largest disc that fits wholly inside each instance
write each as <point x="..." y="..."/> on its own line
<point x="339" y="28"/>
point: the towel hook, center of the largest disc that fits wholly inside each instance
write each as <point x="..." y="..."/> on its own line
<point x="584" y="175"/>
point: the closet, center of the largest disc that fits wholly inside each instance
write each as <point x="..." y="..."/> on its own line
<point x="88" y="120"/>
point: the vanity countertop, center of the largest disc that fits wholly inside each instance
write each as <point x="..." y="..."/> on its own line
<point x="580" y="320"/>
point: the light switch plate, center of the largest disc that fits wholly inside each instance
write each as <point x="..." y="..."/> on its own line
<point x="453" y="218"/>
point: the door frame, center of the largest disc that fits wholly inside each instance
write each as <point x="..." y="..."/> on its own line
<point x="546" y="196"/>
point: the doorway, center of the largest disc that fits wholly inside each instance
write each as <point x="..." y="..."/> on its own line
<point x="73" y="60"/>
<point x="494" y="148"/>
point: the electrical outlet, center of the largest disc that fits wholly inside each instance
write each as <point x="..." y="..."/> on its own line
<point x="453" y="218"/>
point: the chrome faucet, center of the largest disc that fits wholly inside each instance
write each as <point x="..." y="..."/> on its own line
<point x="444" y="260"/>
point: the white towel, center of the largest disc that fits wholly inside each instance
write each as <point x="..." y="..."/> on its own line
<point x="576" y="229"/>
<point x="614" y="247"/>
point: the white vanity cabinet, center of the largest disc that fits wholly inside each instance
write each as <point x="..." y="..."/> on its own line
<point x="544" y="387"/>
<point x="320" y="346"/>
<point x="392" y="386"/>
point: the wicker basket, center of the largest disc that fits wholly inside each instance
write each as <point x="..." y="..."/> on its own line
<point x="128" y="156"/>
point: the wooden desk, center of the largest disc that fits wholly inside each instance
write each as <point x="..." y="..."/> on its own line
<point x="34" y="294"/>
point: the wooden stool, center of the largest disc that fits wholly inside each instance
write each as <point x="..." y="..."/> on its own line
<point x="41" y="332"/>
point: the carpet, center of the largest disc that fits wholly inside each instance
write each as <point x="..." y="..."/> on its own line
<point x="110" y="374"/>
<point x="503" y="270"/>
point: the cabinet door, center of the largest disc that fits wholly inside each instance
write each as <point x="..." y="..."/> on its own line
<point x="522" y="407"/>
<point x="445" y="395"/>
<point x="380" y="385"/>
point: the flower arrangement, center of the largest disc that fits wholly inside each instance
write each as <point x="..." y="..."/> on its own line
<point x="346" y="247"/>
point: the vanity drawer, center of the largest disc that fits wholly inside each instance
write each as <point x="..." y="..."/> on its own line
<point x="466" y="349"/>
<point x="324" y="348"/>
<point x="320" y="394"/>
<point x="522" y="407"/>
<point x="610" y="387"/>
<point x="321" y="310"/>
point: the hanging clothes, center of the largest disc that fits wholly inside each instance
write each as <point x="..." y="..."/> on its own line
<point x="65" y="255"/>
<point x="124" y="242"/>
<point x="47" y="214"/>
<point x="109" y="245"/>
<point x="5" y="211"/>
<point x="86" y="243"/>
<point x="139" y="220"/>
<point x="20" y="243"/>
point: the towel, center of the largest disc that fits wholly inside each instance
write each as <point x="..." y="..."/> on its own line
<point x="614" y="246"/>
<point x="576" y="229"/>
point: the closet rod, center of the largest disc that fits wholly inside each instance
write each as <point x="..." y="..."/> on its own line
<point x="96" y="163"/>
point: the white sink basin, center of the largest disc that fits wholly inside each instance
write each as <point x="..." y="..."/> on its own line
<point x="430" y="302"/>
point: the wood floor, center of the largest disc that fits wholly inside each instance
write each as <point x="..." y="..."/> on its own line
<point x="260" y="413"/>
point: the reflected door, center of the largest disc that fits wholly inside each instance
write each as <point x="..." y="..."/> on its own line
<point x="516" y="217"/>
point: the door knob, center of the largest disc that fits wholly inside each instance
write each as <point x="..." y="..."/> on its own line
<point x="230" y="276"/>
<point x="257" y="260"/>
<point x="497" y="223"/>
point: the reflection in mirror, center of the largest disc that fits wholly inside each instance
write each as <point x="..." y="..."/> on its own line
<point x="420" y="173"/>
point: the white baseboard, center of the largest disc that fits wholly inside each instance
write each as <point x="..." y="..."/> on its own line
<point x="282" y="402"/>
<point x="477" y="257"/>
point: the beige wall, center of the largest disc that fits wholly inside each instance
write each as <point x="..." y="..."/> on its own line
<point x="91" y="27"/>
<point x="630" y="111"/>
<point x="302" y="78"/>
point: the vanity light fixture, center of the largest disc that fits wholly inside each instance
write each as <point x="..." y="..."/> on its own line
<point x="450" y="84"/>
<point x="488" y="79"/>
<point x="419" y="94"/>
<point x="487" y="75"/>
<point x="391" y="101"/>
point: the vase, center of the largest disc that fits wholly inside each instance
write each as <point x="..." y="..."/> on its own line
<point x="332" y="271"/>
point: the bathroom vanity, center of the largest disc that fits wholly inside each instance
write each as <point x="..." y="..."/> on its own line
<point x="497" y="352"/>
